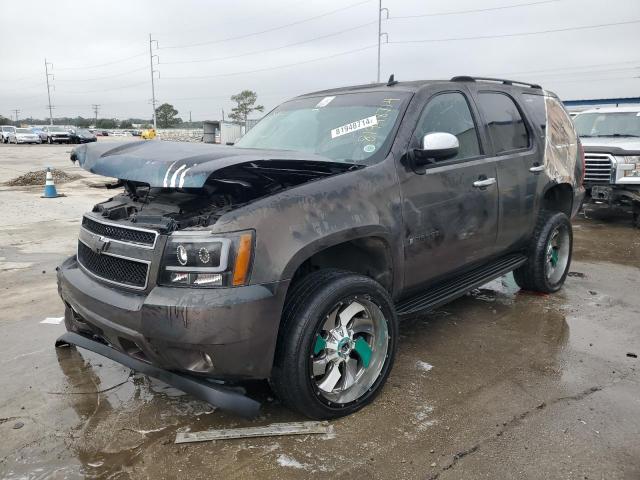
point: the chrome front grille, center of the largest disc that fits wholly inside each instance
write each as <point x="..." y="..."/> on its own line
<point x="116" y="253"/>
<point x="598" y="167"/>
<point x="121" y="234"/>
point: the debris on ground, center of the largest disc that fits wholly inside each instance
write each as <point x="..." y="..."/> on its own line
<point x="632" y="355"/>
<point x="38" y="178"/>
<point x="18" y="425"/>
<point x="275" y="429"/>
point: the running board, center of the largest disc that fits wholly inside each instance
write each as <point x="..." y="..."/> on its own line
<point x="457" y="287"/>
<point x="217" y="395"/>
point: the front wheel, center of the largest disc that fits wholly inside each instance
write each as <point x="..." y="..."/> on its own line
<point x="336" y="345"/>
<point x="549" y="254"/>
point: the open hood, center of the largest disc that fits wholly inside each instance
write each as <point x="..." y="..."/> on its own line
<point x="176" y="164"/>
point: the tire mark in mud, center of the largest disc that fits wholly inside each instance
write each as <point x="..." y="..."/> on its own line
<point x="515" y="420"/>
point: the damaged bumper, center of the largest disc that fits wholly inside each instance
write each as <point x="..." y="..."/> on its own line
<point x="224" y="333"/>
<point x="217" y="395"/>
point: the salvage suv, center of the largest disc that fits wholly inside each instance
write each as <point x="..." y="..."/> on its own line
<point x="611" y="138"/>
<point x="291" y="255"/>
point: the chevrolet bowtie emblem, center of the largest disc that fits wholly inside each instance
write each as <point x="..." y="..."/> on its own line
<point x="100" y="244"/>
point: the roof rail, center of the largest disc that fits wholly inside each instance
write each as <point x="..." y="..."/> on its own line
<point x="465" y="78"/>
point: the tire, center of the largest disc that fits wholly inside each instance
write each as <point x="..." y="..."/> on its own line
<point x="305" y="345"/>
<point x="549" y="254"/>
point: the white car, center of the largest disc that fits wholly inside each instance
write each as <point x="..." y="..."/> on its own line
<point x="24" y="135"/>
<point x="6" y="130"/>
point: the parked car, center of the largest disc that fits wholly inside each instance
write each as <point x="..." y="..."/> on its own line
<point x="56" y="134"/>
<point x="611" y="138"/>
<point x="24" y="135"/>
<point x="41" y="133"/>
<point x="6" y="131"/>
<point x="291" y="255"/>
<point x="80" y="135"/>
<point x="148" y="134"/>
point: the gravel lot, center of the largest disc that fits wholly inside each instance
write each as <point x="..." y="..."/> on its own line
<point x="500" y="384"/>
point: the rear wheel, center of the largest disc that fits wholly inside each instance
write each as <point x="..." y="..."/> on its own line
<point x="549" y="254"/>
<point x="337" y="344"/>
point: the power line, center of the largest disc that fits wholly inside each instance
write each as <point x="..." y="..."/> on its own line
<point x="570" y="68"/>
<point x="257" y="52"/>
<point x="268" y="30"/>
<point x="104" y="64"/>
<point x="103" y="77"/>
<point x="348" y="52"/>
<point x="107" y="89"/>
<point x="522" y="34"/>
<point x="475" y="10"/>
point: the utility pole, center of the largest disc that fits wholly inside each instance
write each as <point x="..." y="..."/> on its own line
<point x="16" y="111"/>
<point x="189" y="117"/>
<point x="153" y="87"/>
<point x="95" y="110"/>
<point x="46" y="71"/>
<point x="381" y="33"/>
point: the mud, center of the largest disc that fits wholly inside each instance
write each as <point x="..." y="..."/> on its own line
<point x="499" y="384"/>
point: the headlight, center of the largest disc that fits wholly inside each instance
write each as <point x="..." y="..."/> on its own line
<point x="206" y="260"/>
<point x="631" y="165"/>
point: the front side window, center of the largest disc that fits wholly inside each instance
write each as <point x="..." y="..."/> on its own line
<point x="622" y="124"/>
<point x="450" y="113"/>
<point x="350" y="127"/>
<point x="506" y="125"/>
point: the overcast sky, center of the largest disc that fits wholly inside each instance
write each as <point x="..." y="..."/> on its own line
<point x="100" y="50"/>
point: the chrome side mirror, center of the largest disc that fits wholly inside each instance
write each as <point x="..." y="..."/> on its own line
<point x="438" y="146"/>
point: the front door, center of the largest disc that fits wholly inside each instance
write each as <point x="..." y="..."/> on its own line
<point x="450" y="210"/>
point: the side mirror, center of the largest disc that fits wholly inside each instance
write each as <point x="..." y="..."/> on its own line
<point x="436" y="146"/>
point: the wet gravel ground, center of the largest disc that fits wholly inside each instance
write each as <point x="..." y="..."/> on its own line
<point x="499" y="384"/>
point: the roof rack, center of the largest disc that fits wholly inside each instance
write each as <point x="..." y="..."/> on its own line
<point x="465" y="78"/>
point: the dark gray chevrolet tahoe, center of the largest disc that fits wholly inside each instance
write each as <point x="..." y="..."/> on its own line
<point x="291" y="255"/>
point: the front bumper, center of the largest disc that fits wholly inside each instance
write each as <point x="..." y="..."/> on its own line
<point x="225" y="333"/>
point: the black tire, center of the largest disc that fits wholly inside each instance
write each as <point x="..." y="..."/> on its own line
<point x="533" y="275"/>
<point x="307" y="306"/>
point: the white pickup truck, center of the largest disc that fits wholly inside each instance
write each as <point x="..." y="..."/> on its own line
<point x="611" y="140"/>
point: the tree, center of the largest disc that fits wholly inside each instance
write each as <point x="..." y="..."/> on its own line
<point x="166" y="116"/>
<point x="126" y="124"/>
<point x="4" y="121"/>
<point x="245" y="100"/>
<point x="106" y="123"/>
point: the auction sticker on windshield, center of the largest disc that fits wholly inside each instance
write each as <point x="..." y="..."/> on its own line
<point x="353" y="126"/>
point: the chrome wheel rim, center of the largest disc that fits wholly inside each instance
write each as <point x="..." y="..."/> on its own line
<point x="557" y="254"/>
<point x="349" y="351"/>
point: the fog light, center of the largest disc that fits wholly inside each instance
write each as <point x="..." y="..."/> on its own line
<point x="207" y="359"/>
<point x="207" y="279"/>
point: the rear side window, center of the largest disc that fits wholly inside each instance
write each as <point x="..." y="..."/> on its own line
<point x="449" y="113"/>
<point x="505" y="123"/>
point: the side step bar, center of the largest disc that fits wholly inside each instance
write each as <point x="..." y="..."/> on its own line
<point x="217" y="395"/>
<point x="457" y="287"/>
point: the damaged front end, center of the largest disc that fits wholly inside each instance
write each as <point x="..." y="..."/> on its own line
<point x="150" y="279"/>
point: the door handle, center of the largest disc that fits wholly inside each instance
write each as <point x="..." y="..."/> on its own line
<point x="484" y="183"/>
<point x="537" y="168"/>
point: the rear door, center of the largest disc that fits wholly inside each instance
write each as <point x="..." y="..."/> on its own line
<point x="518" y="153"/>
<point x="450" y="208"/>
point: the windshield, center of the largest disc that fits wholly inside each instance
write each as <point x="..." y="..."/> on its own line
<point x="623" y="124"/>
<point x="23" y="130"/>
<point x="56" y="129"/>
<point x="352" y="127"/>
<point x="7" y="129"/>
